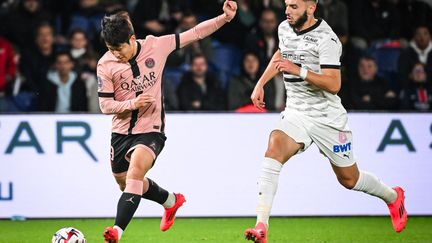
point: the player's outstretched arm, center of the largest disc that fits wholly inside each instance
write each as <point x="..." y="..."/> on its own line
<point x="257" y="96"/>
<point x="208" y="27"/>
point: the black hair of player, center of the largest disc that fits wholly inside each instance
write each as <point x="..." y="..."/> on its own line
<point x="117" y="29"/>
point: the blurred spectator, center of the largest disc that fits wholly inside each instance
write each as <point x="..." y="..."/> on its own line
<point x="245" y="13"/>
<point x="241" y="87"/>
<point x="277" y="6"/>
<point x="418" y="93"/>
<point x="85" y="65"/>
<point x="370" y="92"/>
<point x="373" y="20"/>
<point x="37" y="61"/>
<point x="20" y="91"/>
<point x="7" y="64"/>
<point x="232" y="33"/>
<point x="264" y="40"/>
<point x="157" y="17"/>
<point x="113" y="6"/>
<point x="185" y="54"/>
<point x="88" y="18"/>
<point x="349" y="66"/>
<point x="419" y="50"/>
<point x="21" y="22"/>
<point x="81" y="52"/>
<point x="65" y="91"/>
<point x="413" y="13"/>
<point x="7" y="69"/>
<point x="199" y="90"/>
<point x="334" y="12"/>
<point x="171" y="102"/>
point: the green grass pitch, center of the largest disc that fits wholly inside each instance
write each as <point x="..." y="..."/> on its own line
<point x="222" y="230"/>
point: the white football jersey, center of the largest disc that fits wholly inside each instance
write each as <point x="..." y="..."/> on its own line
<point x="315" y="48"/>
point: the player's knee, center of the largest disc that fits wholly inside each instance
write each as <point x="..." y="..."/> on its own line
<point x="348" y="183"/>
<point x="276" y="154"/>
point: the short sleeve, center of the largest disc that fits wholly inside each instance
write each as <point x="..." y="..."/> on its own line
<point x="330" y="51"/>
<point x="168" y="43"/>
<point x="104" y="81"/>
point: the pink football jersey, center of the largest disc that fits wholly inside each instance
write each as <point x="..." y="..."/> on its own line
<point x="119" y="83"/>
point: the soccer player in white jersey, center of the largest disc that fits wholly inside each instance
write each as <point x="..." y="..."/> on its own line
<point x="308" y="55"/>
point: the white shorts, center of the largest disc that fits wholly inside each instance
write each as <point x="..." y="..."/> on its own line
<point x="334" y="140"/>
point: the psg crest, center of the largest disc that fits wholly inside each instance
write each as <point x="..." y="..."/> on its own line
<point x="149" y="62"/>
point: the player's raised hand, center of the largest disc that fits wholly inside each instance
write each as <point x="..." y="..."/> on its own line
<point x="229" y="8"/>
<point x="257" y="97"/>
<point x="143" y="101"/>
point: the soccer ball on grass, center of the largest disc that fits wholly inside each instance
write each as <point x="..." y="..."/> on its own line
<point x="68" y="235"/>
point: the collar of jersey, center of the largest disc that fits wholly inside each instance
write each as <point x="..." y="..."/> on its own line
<point x="132" y="60"/>
<point x="314" y="26"/>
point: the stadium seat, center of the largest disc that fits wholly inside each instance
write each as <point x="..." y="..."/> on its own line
<point x="174" y="75"/>
<point x="226" y="61"/>
<point x="386" y="55"/>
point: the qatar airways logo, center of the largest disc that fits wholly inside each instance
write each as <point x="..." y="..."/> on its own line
<point x="139" y="83"/>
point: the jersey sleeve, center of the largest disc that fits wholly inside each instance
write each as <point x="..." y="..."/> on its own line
<point x="105" y="84"/>
<point x="330" y="51"/>
<point x="107" y="103"/>
<point x="280" y="35"/>
<point x="167" y="43"/>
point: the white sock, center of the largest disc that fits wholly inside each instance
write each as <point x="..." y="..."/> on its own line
<point x="267" y="186"/>
<point x="119" y="230"/>
<point x="370" y="184"/>
<point x="170" y="200"/>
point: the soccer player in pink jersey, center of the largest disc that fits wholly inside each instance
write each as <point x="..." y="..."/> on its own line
<point x="130" y="88"/>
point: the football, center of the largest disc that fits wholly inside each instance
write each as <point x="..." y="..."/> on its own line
<point x="68" y="235"/>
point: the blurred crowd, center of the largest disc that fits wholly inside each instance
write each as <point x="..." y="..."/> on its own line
<point x="49" y="51"/>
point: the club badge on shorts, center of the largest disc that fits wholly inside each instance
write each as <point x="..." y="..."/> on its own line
<point x="342" y="137"/>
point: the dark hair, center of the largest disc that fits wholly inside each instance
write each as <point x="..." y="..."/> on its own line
<point x="63" y="53"/>
<point x="117" y="29"/>
<point x="196" y="56"/>
<point x="43" y="25"/>
<point x="76" y="31"/>
<point x="368" y="57"/>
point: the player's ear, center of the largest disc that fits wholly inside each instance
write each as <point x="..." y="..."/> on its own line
<point x="132" y="39"/>
<point x="311" y="8"/>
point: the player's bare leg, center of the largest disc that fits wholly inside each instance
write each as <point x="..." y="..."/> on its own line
<point x="281" y="147"/>
<point x="152" y="191"/>
<point x="140" y="163"/>
<point x="351" y="178"/>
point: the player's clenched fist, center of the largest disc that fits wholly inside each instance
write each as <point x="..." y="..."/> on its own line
<point x="229" y="8"/>
<point x="257" y="97"/>
<point x="143" y="100"/>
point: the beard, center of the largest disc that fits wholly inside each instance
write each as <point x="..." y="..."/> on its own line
<point x="300" y="22"/>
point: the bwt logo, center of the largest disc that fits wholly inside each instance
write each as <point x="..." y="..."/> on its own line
<point x="341" y="148"/>
<point x="61" y="138"/>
